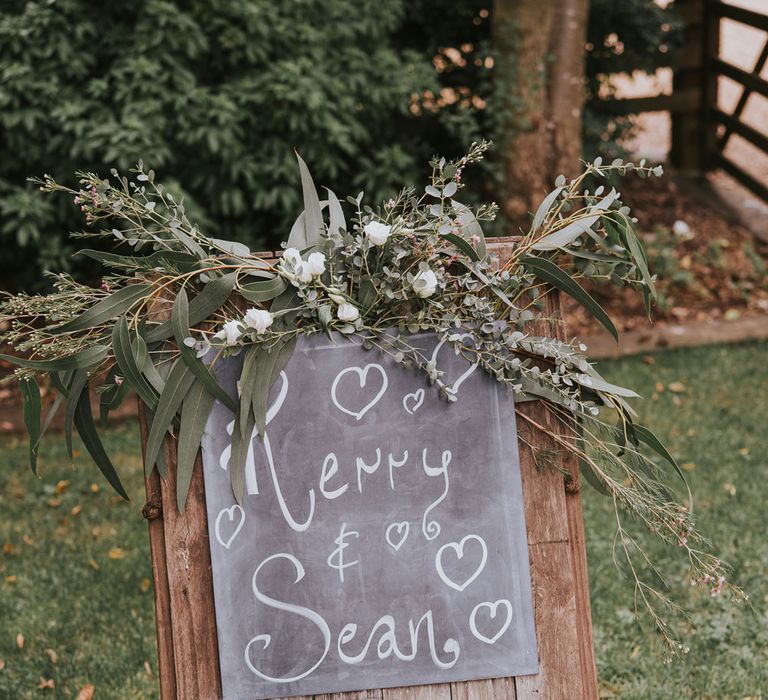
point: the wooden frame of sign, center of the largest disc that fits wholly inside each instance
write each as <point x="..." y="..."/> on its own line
<point x="184" y="604"/>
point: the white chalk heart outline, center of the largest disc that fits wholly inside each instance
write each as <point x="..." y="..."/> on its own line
<point x="230" y="512"/>
<point x="362" y="373"/>
<point x="458" y="547"/>
<point x="465" y="375"/>
<point x="418" y="399"/>
<point x="492" y="610"/>
<point x="404" y="525"/>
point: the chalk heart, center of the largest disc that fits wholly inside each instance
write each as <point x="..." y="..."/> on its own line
<point x="362" y="374"/>
<point x="456" y="554"/>
<point x="230" y="520"/>
<point x="502" y="621"/>
<point x="465" y="374"/>
<point x="412" y="402"/>
<point x="397" y="534"/>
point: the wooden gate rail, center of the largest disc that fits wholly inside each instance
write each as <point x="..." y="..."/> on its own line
<point x="750" y="82"/>
<point x="186" y="618"/>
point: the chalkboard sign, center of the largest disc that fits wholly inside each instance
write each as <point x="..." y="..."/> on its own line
<point x="381" y="541"/>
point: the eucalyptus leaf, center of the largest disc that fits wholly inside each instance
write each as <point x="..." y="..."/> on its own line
<point x="264" y="290"/>
<point x="90" y="437"/>
<point x="177" y="386"/>
<point x="195" y="409"/>
<point x="126" y="360"/>
<point x="544" y="207"/>
<point x="114" y="305"/>
<point x="201" y="308"/>
<point x="84" y="358"/>
<point x="180" y="321"/>
<point x="30" y="392"/>
<point x="553" y="274"/>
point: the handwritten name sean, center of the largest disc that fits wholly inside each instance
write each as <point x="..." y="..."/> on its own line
<point x="385" y="627"/>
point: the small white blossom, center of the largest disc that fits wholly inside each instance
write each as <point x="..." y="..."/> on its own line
<point x="303" y="273"/>
<point x="229" y="333"/>
<point x="292" y="257"/>
<point x="315" y="264"/>
<point x="425" y="283"/>
<point x="258" y="319"/>
<point x="681" y="228"/>
<point x="377" y="233"/>
<point x="347" y="312"/>
<point x="336" y="298"/>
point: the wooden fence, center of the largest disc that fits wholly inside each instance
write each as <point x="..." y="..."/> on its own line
<point x="701" y="129"/>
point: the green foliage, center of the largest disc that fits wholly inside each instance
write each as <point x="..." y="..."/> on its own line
<point x="218" y="96"/>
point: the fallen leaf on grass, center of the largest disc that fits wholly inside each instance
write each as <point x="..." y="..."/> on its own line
<point x="688" y="466"/>
<point x="744" y="451"/>
<point x="27" y="539"/>
<point x="95" y="488"/>
<point x="54" y="502"/>
<point x="11" y="578"/>
<point x="9" y="549"/>
<point x="729" y="488"/>
<point x="92" y="563"/>
<point x="46" y="684"/>
<point x="20" y="640"/>
<point x="76" y="510"/>
<point x="86" y="693"/>
<point x="62" y="486"/>
<point x="52" y="655"/>
<point x="659" y="388"/>
<point x="649" y="359"/>
<point x="2" y="664"/>
<point x="145" y="585"/>
<point x="676" y="387"/>
<point x="147" y="668"/>
<point x="116" y="553"/>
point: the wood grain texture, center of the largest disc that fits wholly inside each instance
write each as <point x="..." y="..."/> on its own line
<point x="186" y="622"/>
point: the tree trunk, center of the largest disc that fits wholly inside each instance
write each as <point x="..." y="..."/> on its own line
<point x="540" y="79"/>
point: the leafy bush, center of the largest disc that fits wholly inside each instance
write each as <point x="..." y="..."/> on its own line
<point x="217" y="95"/>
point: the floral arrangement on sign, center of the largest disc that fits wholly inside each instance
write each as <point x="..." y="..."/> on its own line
<point x="176" y="300"/>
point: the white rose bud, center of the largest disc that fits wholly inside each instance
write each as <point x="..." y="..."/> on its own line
<point x="292" y="257"/>
<point x="303" y="274"/>
<point x="377" y="233"/>
<point x="336" y="298"/>
<point x="316" y="264"/>
<point x="229" y="333"/>
<point x="425" y="283"/>
<point x="258" y="319"/>
<point x="347" y="312"/>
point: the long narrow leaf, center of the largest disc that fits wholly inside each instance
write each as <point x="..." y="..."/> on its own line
<point x="90" y="437"/>
<point x="177" y="386"/>
<point x="114" y="305"/>
<point x="263" y="290"/>
<point x="74" y="391"/>
<point x="180" y="321"/>
<point x="646" y="436"/>
<point x="30" y="392"/>
<point x="84" y="358"/>
<point x="462" y="245"/>
<point x="338" y="224"/>
<point x="313" y="215"/>
<point x="248" y="378"/>
<point x="194" y="415"/>
<point x="126" y="360"/>
<point x="145" y="364"/>
<point x="544" y="207"/>
<point x="210" y="299"/>
<point x="241" y="443"/>
<point x="549" y="272"/>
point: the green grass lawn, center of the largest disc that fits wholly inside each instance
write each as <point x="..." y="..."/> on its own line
<point x="74" y="565"/>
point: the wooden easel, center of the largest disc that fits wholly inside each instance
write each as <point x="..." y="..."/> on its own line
<point x="186" y="620"/>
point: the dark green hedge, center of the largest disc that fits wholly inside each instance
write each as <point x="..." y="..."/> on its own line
<point x="215" y="95"/>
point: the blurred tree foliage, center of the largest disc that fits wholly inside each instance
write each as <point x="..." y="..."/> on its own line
<point x="215" y="97"/>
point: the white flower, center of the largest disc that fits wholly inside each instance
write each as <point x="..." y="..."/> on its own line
<point x="292" y="257"/>
<point x="347" y="312"/>
<point x="229" y="333"/>
<point x="425" y="283"/>
<point x="258" y="319"/>
<point x="336" y="298"/>
<point x="377" y="233"/>
<point x="681" y="228"/>
<point x="315" y="264"/>
<point x="303" y="274"/>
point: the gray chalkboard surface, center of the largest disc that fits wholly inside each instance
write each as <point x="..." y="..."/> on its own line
<point x="382" y="540"/>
